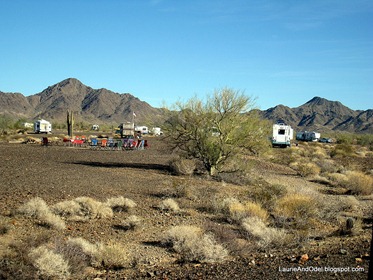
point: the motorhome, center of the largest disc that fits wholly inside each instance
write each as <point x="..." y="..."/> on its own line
<point x="282" y="135"/>
<point x="42" y="126"/>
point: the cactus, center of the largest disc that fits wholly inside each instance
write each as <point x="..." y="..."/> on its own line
<point x="70" y="123"/>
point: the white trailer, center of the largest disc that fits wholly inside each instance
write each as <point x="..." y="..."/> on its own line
<point x="282" y="135"/>
<point x="156" y="131"/>
<point x="42" y="126"/>
<point x="142" y="129"/>
<point x="308" y="136"/>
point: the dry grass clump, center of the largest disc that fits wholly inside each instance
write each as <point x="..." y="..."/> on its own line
<point x="266" y="195"/>
<point x="49" y="263"/>
<point x="356" y="181"/>
<point x="120" y="203"/>
<point x="237" y="211"/>
<point x="359" y="183"/>
<point x="169" y="205"/>
<point x="182" y="166"/>
<point x="296" y="210"/>
<point x="37" y="208"/>
<point x="305" y="169"/>
<point x="267" y="237"/>
<point x="82" y="209"/>
<point x="110" y="256"/>
<point x="130" y="223"/>
<point x="194" y="245"/>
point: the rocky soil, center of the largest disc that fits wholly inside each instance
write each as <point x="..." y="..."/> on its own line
<point x="58" y="173"/>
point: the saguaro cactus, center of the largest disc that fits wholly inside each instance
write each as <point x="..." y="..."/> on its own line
<point x="70" y="123"/>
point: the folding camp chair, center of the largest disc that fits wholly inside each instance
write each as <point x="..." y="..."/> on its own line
<point x="93" y="144"/>
<point x="103" y="144"/>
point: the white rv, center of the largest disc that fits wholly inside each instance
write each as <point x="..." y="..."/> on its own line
<point x="142" y="129"/>
<point x="308" y="136"/>
<point x="42" y="126"/>
<point x="156" y="131"/>
<point x="282" y="135"/>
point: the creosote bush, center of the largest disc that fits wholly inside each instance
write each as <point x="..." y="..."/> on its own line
<point x="194" y="245"/>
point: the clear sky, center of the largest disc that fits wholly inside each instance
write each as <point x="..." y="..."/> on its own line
<point x="161" y="51"/>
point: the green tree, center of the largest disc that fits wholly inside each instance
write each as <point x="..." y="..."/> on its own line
<point x="216" y="131"/>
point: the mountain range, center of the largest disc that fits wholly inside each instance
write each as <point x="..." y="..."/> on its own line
<point x="105" y="106"/>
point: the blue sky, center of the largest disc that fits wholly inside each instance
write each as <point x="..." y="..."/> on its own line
<point x="161" y="51"/>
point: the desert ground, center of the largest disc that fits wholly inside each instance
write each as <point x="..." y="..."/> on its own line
<point x="135" y="233"/>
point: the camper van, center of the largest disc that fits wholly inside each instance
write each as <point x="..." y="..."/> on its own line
<point x="42" y="126"/>
<point x="282" y="135"/>
<point x="156" y="131"/>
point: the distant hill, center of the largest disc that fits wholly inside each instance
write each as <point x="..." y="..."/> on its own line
<point x="91" y="105"/>
<point x="322" y="115"/>
<point x="105" y="106"/>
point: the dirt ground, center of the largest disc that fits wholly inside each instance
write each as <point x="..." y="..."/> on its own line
<point x="58" y="173"/>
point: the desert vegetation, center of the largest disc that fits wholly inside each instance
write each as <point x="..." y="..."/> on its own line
<point x="161" y="214"/>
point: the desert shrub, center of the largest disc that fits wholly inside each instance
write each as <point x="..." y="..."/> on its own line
<point x="267" y="194"/>
<point x="267" y="237"/>
<point x="182" y="166"/>
<point x="342" y="150"/>
<point x="49" y="263"/>
<point x="328" y="166"/>
<point x="110" y="256"/>
<point x="170" y="205"/>
<point x="236" y="211"/>
<point x="359" y="183"/>
<point x="305" y="169"/>
<point x="82" y="209"/>
<point x="120" y="203"/>
<point x="296" y="209"/>
<point x="194" y="245"/>
<point x="131" y="222"/>
<point x="37" y="208"/>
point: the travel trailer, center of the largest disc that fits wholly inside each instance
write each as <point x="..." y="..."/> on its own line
<point x="142" y="129"/>
<point x="282" y="135"/>
<point x="42" y="126"/>
<point x="308" y="136"/>
<point x="156" y="131"/>
<point x="126" y="130"/>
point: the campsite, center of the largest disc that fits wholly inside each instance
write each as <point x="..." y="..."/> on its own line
<point x="149" y="199"/>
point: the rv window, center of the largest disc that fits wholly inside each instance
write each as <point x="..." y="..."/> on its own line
<point x="281" y="131"/>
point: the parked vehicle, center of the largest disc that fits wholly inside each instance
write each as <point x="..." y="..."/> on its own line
<point x="142" y="129"/>
<point x="42" y="126"/>
<point x="308" y="136"/>
<point x="282" y="135"/>
<point x="126" y="130"/>
<point x="156" y="131"/>
<point x="325" y="140"/>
